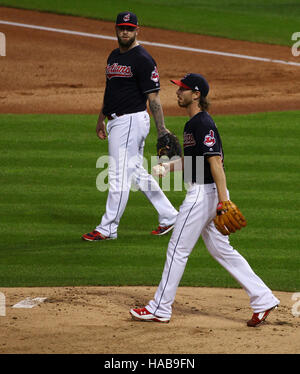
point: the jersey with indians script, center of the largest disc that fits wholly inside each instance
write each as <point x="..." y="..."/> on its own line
<point x="130" y="76"/>
<point x="200" y="138"/>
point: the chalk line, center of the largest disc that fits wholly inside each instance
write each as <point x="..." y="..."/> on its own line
<point x="154" y="44"/>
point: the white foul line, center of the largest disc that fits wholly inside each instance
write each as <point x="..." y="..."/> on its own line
<point x="189" y="49"/>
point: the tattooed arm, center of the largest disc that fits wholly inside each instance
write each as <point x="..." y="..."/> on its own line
<point x="157" y="112"/>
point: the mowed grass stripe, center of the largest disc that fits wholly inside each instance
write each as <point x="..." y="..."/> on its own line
<point x="48" y="198"/>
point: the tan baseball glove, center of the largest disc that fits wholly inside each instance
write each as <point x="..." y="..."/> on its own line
<point x="229" y="218"/>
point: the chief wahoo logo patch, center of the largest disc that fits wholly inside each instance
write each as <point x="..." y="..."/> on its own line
<point x="209" y="139"/>
<point x="126" y="18"/>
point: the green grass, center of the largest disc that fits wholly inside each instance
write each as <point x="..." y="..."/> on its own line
<point x="268" y="21"/>
<point x="48" y="198"/>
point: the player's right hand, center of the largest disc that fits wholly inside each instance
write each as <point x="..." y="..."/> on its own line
<point x="160" y="170"/>
<point x="100" y="130"/>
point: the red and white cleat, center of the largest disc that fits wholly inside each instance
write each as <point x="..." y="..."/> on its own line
<point x="142" y="314"/>
<point x="258" y="318"/>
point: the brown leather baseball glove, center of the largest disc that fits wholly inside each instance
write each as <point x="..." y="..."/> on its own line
<point x="229" y="218"/>
<point x="168" y="145"/>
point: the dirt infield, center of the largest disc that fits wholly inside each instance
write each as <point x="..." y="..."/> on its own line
<point x="97" y="320"/>
<point x="46" y="72"/>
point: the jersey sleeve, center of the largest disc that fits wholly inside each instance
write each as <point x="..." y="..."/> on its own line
<point x="208" y="141"/>
<point x="148" y="76"/>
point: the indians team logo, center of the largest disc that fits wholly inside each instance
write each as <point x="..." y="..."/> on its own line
<point x="126" y="18"/>
<point x="118" y="71"/>
<point x="155" y="75"/>
<point x="209" y="139"/>
<point x="188" y="140"/>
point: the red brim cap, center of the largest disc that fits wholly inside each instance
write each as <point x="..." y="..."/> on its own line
<point x="127" y="24"/>
<point x="179" y="83"/>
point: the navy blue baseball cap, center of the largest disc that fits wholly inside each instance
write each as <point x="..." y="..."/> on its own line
<point x="127" y="19"/>
<point x="195" y="82"/>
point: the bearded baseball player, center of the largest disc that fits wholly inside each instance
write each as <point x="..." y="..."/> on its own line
<point x="207" y="211"/>
<point x="132" y="79"/>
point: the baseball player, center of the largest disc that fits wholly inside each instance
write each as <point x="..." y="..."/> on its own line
<point x="132" y="79"/>
<point x="197" y="214"/>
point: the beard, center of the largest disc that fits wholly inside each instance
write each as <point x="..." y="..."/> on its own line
<point x="183" y="104"/>
<point x="127" y="43"/>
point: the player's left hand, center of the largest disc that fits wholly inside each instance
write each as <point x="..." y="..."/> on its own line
<point x="100" y="130"/>
<point x="229" y="218"/>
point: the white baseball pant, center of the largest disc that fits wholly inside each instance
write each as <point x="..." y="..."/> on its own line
<point x="195" y="218"/>
<point x="126" y="139"/>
